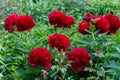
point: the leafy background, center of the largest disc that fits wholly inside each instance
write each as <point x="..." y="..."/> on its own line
<point x="15" y="47"/>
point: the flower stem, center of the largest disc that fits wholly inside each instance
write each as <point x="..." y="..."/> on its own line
<point x="61" y="58"/>
<point x="3" y="38"/>
<point x="27" y="39"/>
<point x="55" y="29"/>
<point x="94" y="39"/>
<point x="95" y="48"/>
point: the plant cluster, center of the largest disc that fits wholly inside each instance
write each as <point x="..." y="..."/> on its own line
<point x="67" y="61"/>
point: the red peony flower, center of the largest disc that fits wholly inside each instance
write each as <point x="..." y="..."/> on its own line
<point x="59" y="42"/>
<point x="101" y="24"/>
<point x="82" y="26"/>
<point x="69" y="22"/>
<point x="25" y="22"/>
<point x="10" y="22"/>
<point x="88" y="16"/>
<point x="40" y="57"/>
<point x="79" y="59"/>
<point x="114" y="23"/>
<point x="57" y="18"/>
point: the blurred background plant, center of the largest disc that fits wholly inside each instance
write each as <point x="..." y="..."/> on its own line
<point x="15" y="47"/>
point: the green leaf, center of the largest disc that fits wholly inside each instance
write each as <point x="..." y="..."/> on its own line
<point x="92" y="28"/>
<point x="108" y="43"/>
<point x="118" y="48"/>
<point x="63" y="70"/>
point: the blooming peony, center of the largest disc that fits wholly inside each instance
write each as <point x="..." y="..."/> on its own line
<point x="101" y="24"/>
<point x="25" y="22"/>
<point x="79" y="59"/>
<point x="114" y="23"/>
<point x="40" y="57"/>
<point x="10" y="22"/>
<point x="82" y="26"/>
<point x="88" y="16"/>
<point x="69" y="22"/>
<point x="59" y="42"/>
<point x="57" y="18"/>
<point x="60" y="19"/>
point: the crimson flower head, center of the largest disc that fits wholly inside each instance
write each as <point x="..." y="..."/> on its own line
<point x="25" y="22"/>
<point x="57" y="18"/>
<point x="40" y="57"/>
<point x="10" y="22"/>
<point x="60" y="19"/>
<point x="88" y="16"/>
<point x="78" y="58"/>
<point x="101" y="24"/>
<point x="82" y="26"/>
<point x="69" y="22"/>
<point x="59" y="42"/>
<point x="114" y="23"/>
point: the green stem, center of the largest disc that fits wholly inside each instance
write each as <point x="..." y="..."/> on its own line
<point x="3" y="40"/>
<point x="27" y="38"/>
<point x="94" y="39"/>
<point x="95" y="44"/>
<point x="28" y="41"/>
<point x="92" y="68"/>
<point x="55" y="29"/>
<point x="97" y="61"/>
<point x="61" y="57"/>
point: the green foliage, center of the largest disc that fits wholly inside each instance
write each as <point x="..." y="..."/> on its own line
<point x="15" y="47"/>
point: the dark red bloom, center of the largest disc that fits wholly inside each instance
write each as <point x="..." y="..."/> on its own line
<point x="57" y="18"/>
<point x="82" y="26"/>
<point x="69" y="22"/>
<point x="25" y="22"/>
<point x="79" y="59"/>
<point x="88" y="16"/>
<point x="40" y="57"/>
<point x="10" y="22"/>
<point x="101" y="24"/>
<point x="114" y="23"/>
<point x="59" y="42"/>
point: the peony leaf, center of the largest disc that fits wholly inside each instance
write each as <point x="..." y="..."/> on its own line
<point x="92" y="28"/>
<point x="117" y="48"/>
